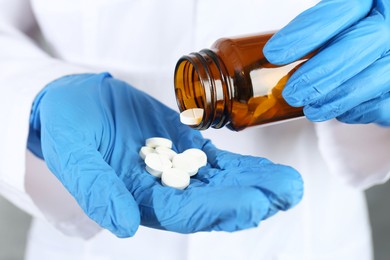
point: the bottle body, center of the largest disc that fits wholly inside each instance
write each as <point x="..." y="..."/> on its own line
<point x="235" y="84"/>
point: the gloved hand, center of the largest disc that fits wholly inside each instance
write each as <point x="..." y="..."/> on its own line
<point x="349" y="78"/>
<point x="90" y="129"/>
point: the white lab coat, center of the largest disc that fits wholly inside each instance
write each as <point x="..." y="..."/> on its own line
<point x="140" y="42"/>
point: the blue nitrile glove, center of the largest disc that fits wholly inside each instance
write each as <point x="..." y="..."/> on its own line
<point x="91" y="128"/>
<point x="349" y="78"/>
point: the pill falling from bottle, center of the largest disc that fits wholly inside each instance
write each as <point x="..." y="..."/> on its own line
<point x="174" y="169"/>
<point x="192" y="116"/>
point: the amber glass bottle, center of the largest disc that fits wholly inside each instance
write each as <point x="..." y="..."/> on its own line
<point x="235" y="84"/>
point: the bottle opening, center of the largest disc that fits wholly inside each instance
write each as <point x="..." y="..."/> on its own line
<point x="199" y="83"/>
<point x="189" y="88"/>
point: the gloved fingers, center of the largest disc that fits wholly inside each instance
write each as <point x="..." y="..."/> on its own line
<point x="203" y="208"/>
<point x="369" y="84"/>
<point x="215" y="199"/>
<point x="282" y="185"/>
<point x="373" y="111"/>
<point x="91" y="181"/>
<point x="313" y="28"/>
<point x="348" y="54"/>
<point x="221" y="159"/>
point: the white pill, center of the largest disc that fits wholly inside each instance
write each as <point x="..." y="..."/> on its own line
<point x="156" y="164"/>
<point x="186" y="163"/>
<point x="145" y="150"/>
<point x="166" y="151"/>
<point x="198" y="155"/>
<point x="175" y="178"/>
<point x="158" y="141"/>
<point x="192" y="116"/>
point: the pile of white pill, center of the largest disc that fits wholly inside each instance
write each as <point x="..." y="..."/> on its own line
<point x="174" y="169"/>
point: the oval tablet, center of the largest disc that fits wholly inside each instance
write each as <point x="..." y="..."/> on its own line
<point x="158" y="141"/>
<point x="156" y="164"/>
<point x="145" y="150"/>
<point x="198" y="155"/>
<point x="192" y="116"/>
<point x="175" y="178"/>
<point x="186" y="163"/>
<point x="166" y="151"/>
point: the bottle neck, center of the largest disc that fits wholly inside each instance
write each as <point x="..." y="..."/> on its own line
<point x="201" y="81"/>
